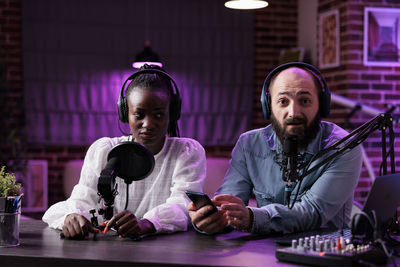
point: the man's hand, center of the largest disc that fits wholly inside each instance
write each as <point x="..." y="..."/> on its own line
<point x="127" y="224"/>
<point x="238" y="215"/>
<point x="212" y="223"/>
<point x="77" y="227"/>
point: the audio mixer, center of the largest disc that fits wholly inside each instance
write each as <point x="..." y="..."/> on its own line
<point x="323" y="251"/>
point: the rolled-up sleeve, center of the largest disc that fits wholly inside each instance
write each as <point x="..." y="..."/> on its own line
<point x="320" y="204"/>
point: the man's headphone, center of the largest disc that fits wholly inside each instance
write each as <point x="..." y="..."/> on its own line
<point x="175" y="99"/>
<point x="324" y="95"/>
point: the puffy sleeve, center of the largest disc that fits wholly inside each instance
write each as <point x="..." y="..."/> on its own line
<point x="188" y="174"/>
<point x="84" y="195"/>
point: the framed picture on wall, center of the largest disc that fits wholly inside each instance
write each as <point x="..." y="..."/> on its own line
<point x="381" y="36"/>
<point x="329" y="39"/>
<point x="34" y="187"/>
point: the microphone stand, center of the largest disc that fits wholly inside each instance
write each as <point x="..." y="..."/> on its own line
<point x="107" y="188"/>
<point x="381" y="122"/>
<point x="129" y="161"/>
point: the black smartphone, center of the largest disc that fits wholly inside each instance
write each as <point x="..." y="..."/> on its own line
<point x="200" y="200"/>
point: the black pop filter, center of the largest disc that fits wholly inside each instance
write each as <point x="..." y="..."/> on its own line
<point x="135" y="161"/>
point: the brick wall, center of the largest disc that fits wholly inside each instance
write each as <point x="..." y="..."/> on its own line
<point x="10" y="67"/>
<point x="275" y="29"/>
<point x="11" y="93"/>
<point x="11" y="106"/>
<point x="373" y="86"/>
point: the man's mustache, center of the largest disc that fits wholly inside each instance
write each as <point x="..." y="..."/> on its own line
<point x="295" y="121"/>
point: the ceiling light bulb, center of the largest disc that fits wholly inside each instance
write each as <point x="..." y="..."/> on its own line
<point x="246" y="4"/>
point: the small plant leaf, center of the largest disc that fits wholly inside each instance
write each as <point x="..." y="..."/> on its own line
<point x="8" y="187"/>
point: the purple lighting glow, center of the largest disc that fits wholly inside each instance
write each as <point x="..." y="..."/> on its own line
<point x="137" y="65"/>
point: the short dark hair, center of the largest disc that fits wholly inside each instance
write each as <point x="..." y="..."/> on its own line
<point x="150" y="80"/>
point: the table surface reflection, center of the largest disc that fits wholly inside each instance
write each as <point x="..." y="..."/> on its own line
<point x="42" y="246"/>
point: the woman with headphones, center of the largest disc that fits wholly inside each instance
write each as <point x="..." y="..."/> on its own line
<point x="156" y="204"/>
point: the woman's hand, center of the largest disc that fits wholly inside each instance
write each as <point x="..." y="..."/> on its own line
<point x="77" y="227"/>
<point x="127" y="224"/>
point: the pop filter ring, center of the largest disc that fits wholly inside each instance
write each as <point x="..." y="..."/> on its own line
<point x="136" y="162"/>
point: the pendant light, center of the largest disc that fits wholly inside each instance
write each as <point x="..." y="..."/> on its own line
<point x="147" y="56"/>
<point x="246" y="4"/>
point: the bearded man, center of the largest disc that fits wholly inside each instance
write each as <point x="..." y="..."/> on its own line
<point x="295" y="96"/>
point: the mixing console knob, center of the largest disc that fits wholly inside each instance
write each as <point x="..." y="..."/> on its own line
<point x="307" y="242"/>
<point x="332" y="244"/>
<point x="313" y="247"/>
<point x="320" y="247"/>
<point x="294" y="243"/>
<point x="327" y="245"/>
<point x="342" y="244"/>
<point x="338" y="244"/>
<point x="317" y="238"/>
<point x="312" y="243"/>
<point x="301" y="248"/>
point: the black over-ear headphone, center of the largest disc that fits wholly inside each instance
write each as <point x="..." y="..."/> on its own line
<point x="324" y="95"/>
<point x="175" y="99"/>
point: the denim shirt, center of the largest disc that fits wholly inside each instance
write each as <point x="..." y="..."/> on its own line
<point x="325" y="197"/>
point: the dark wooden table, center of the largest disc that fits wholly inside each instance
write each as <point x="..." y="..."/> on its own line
<point x="42" y="246"/>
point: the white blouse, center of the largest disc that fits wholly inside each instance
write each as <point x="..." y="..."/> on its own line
<point x="160" y="197"/>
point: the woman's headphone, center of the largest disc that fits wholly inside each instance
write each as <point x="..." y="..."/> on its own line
<point x="324" y="95"/>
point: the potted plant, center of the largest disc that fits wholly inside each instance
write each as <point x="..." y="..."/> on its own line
<point x="10" y="209"/>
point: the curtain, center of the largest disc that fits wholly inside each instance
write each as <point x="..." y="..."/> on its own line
<point x="78" y="53"/>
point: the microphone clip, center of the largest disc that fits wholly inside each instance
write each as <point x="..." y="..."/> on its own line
<point x="107" y="188"/>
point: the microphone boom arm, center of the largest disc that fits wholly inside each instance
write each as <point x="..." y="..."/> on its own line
<point x="381" y="121"/>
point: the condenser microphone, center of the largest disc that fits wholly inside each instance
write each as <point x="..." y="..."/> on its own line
<point x="290" y="148"/>
<point x="290" y="173"/>
<point x="134" y="161"/>
<point x="128" y="160"/>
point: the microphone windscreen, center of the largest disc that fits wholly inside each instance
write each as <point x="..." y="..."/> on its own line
<point x="290" y="144"/>
<point x="135" y="161"/>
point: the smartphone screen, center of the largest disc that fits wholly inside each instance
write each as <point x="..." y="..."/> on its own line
<point x="200" y="200"/>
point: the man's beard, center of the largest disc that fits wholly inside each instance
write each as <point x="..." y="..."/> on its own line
<point x="304" y="134"/>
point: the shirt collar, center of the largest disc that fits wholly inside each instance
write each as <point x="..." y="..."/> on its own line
<point x="164" y="147"/>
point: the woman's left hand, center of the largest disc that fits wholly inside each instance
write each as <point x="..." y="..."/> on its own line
<point x="127" y="224"/>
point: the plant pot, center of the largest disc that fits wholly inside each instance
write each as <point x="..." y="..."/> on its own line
<point x="9" y="221"/>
